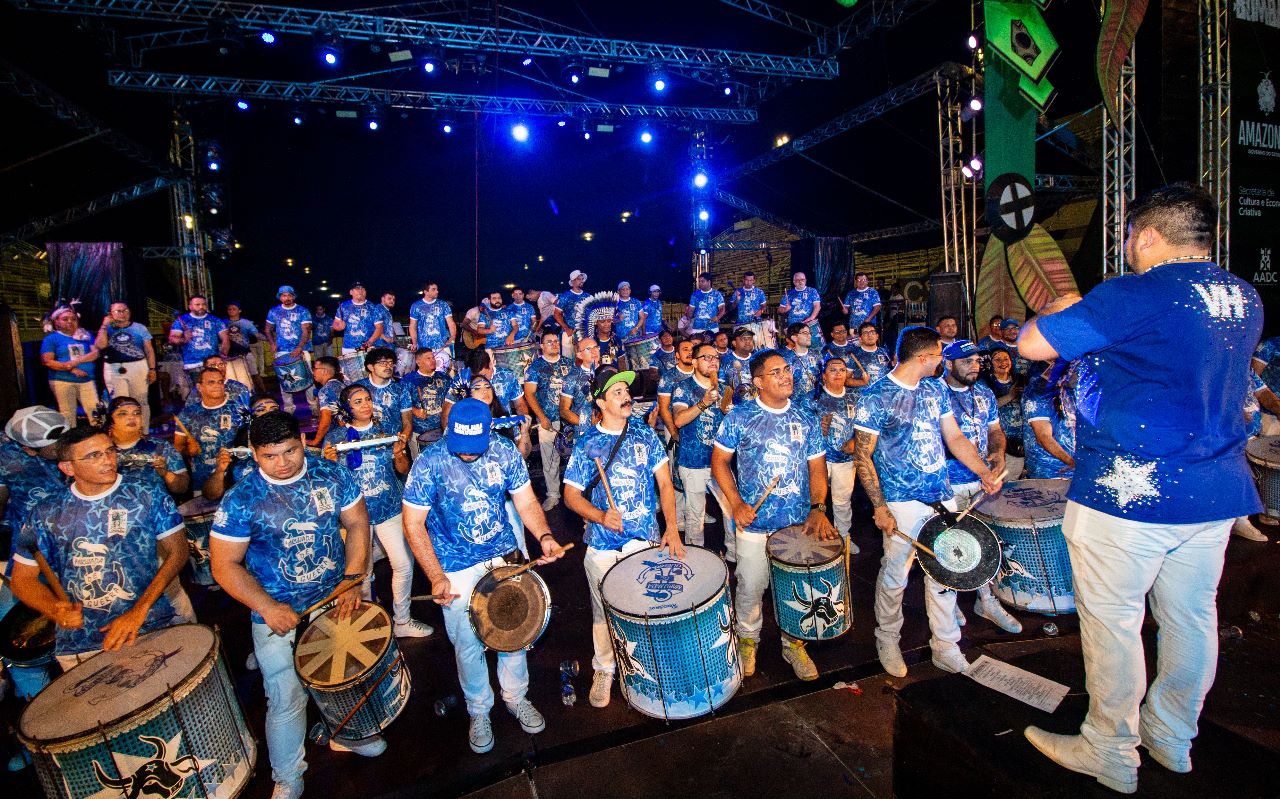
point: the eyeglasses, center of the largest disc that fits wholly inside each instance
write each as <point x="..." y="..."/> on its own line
<point x="588" y="348"/>
<point x="708" y="357"/>
<point x="97" y="455"/>
<point x="779" y="372"/>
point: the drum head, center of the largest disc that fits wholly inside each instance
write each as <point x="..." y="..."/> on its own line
<point x="1265" y="450"/>
<point x="25" y="635"/>
<point x="792" y="546"/>
<point x="1035" y="500"/>
<point x="652" y="584"/>
<point x="509" y="615"/>
<point x="197" y="507"/>
<point x="114" y="686"/>
<point x="968" y="554"/>
<point x="333" y="652"/>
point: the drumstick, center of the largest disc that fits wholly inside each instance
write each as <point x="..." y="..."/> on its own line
<point x="432" y="597"/>
<point x="54" y="584"/>
<point x="333" y="595"/>
<point x="916" y="543"/>
<point x="526" y="567"/>
<point x="183" y="428"/>
<point x="981" y="499"/>
<point x="769" y="490"/>
<point x="608" y="492"/>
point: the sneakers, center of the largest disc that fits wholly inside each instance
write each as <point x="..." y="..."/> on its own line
<point x="1074" y="752"/>
<point x="989" y="608"/>
<point x="794" y="653"/>
<point x="1245" y="529"/>
<point x="952" y="660"/>
<point x="550" y="502"/>
<point x="530" y="719"/>
<point x="480" y="734"/>
<point x="707" y="518"/>
<point x="960" y="619"/>
<point x="1177" y="762"/>
<point x="747" y="656"/>
<point x="601" y="686"/>
<point x="287" y="790"/>
<point x="891" y="658"/>
<point x="413" y="629"/>
<point x="366" y="747"/>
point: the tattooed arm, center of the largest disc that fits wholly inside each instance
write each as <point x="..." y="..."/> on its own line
<point x="866" y="471"/>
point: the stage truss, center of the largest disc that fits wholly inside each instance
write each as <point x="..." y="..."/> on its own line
<point x="1215" y="118"/>
<point x="1118" y="174"/>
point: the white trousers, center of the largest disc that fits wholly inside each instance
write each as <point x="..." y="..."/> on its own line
<point x="752" y="570"/>
<point x="841" y="476"/>
<point x="390" y="535"/>
<point x="596" y="562"/>
<point x="67" y="394"/>
<point x="320" y="350"/>
<point x="550" y="458"/>
<point x="1117" y="566"/>
<point x="566" y="345"/>
<point x="697" y="482"/>
<point x="238" y="370"/>
<point x="129" y="380"/>
<point x="468" y="652"/>
<point x="891" y="583"/>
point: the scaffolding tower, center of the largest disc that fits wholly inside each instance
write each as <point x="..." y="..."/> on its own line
<point x="958" y="193"/>
<point x="193" y="276"/>
<point x="1215" y="119"/>
<point x="1118" y="173"/>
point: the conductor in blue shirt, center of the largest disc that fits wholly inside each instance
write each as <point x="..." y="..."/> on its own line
<point x="1160" y="476"/>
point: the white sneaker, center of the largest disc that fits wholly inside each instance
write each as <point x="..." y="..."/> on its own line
<point x="1074" y="752"/>
<point x="413" y="629"/>
<point x="550" y="502"/>
<point x="287" y="790"/>
<point x="793" y="652"/>
<point x="952" y="660"/>
<point x="891" y="658"/>
<point x="601" y="687"/>
<point x="707" y="518"/>
<point x="480" y="734"/>
<point x="1245" y="529"/>
<point x="960" y="619"/>
<point x="989" y="608"/>
<point x="251" y="662"/>
<point x="366" y="747"/>
<point x="530" y="719"/>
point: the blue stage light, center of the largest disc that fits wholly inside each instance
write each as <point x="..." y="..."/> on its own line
<point x="428" y="66"/>
<point x="520" y="132"/>
<point x="242" y="105"/>
<point x="658" y="78"/>
<point x="526" y="61"/>
<point x="267" y="37"/>
<point x="297" y="119"/>
<point x="646" y="137"/>
<point x="330" y="58"/>
<point x="704" y="215"/>
<point x="561" y="123"/>
<point x="700" y="180"/>
<point x="446" y="127"/>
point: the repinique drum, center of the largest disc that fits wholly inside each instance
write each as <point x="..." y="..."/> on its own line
<point x="159" y="718"/>
<point x="352" y="366"/>
<point x="810" y="581"/>
<point x="671" y="622"/>
<point x="515" y="358"/>
<point x="197" y="516"/>
<point x="26" y="645"/>
<point x="293" y="373"/>
<point x="1036" y="572"/>
<point x="354" y="670"/>
<point x="640" y="352"/>
<point x="509" y="615"/>
<point x="1264" y="459"/>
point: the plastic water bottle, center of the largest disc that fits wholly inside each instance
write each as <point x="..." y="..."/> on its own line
<point x="569" y="668"/>
<point x="567" y="694"/>
<point x="443" y="706"/>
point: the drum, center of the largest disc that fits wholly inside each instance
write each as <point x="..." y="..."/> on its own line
<point x="354" y="671"/>
<point x="352" y="367"/>
<point x="516" y="358"/>
<point x="1264" y="459"/>
<point x="158" y="718"/>
<point x="810" y="581"/>
<point x="405" y="362"/>
<point x="640" y="352"/>
<point x="293" y="373"/>
<point x="671" y="622"/>
<point x="509" y="615"/>
<point x="26" y="644"/>
<point x="1035" y="572"/>
<point x="565" y="437"/>
<point x="197" y="515"/>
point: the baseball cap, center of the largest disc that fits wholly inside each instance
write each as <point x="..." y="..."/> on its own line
<point x="36" y="426"/>
<point x="604" y="379"/>
<point x="743" y="331"/>
<point x="355" y="285"/>
<point x="577" y="273"/>
<point x="624" y="283"/>
<point x="469" y="423"/>
<point x="285" y="290"/>
<point x="960" y="349"/>
<point x="655" y="287"/>
<point x="1008" y="323"/>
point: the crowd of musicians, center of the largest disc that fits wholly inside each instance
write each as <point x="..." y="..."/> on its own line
<point x="412" y="441"/>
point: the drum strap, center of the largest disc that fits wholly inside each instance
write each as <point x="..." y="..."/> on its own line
<point x="595" y="478"/>
<point x="944" y="512"/>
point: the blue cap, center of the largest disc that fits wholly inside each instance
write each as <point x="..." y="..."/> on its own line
<point x="1008" y="323"/>
<point x="960" y="349"/>
<point x="286" y="290"/>
<point x="469" y="423"/>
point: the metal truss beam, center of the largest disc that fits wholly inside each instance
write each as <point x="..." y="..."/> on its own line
<point x="170" y="252"/>
<point x="866" y="112"/>
<point x="46" y="99"/>
<point x="755" y="210"/>
<point x="1083" y="184"/>
<point x="367" y="27"/>
<point x="338" y="94"/>
<point x="749" y="245"/>
<point x="894" y="232"/>
<point x="43" y="224"/>
<point x="1119" y="175"/>
<point x="780" y="16"/>
<point x="958" y="193"/>
<point x="1215" y="118"/>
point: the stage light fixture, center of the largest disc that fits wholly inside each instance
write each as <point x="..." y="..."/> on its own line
<point x="520" y="132"/>
<point x="560" y="123"/>
<point x="975" y="164"/>
<point x="971" y="109"/>
<point x="446" y="126"/>
<point x="242" y="104"/>
<point x="725" y="82"/>
<point x="373" y="117"/>
<point x="703" y="215"/>
<point x="526" y="61"/>
<point x="572" y="71"/>
<point x="966" y="171"/>
<point x="973" y="40"/>
<point x="430" y="58"/>
<point x="213" y="156"/>
<point x="267" y="37"/>
<point x="658" y="78"/>
<point x="646" y="137"/>
<point x="700" y="179"/>
<point x="587" y="129"/>
<point x="329" y="47"/>
<point x="975" y="103"/>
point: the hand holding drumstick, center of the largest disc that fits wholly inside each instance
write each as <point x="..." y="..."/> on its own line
<point x="612" y="518"/>
<point x="745" y="514"/>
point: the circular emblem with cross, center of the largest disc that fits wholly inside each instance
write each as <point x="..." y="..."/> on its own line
<point x="1011" y="207"/>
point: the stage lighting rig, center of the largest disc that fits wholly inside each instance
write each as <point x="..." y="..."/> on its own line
<point x="329" y="47"/>
<point x="212" y="156"/>
<point x="267" y="37"/>
<point x="520" y="132"/>
<point x="446" y="126"/>
<point x="373" y="117"/>
<point x="430" y="59"/>
<point x="725" y="82"/>
<point x="657" y="76"/>
<point x="572" y="70"/>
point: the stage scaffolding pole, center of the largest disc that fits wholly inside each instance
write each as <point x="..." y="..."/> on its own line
<point x="1215" y="118"/>
<point x="1118" y="170"/>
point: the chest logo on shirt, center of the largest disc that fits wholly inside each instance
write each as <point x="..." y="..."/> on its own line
<point x="117" y="522"/>
<point x="100" y="583"/>
<point x="661" y="580"/>
<point x="492" y="473"/>
<point x="640" y="452"/>
<point x="323" y="500"/>
<point x="224" y="421"/>
<point x="795" y="431"/>
<point x="480" y="524"/>
<point x="306" y="554"/>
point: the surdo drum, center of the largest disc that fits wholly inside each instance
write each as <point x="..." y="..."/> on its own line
<point x="640" y="351"/>
<point x="509" y="614"/>
<point x="515" y="358"/>
<point x="197" y="516"/>
<point x="352" y="367"/>
<point x="1264" y="459"/>
<point x="671" y="622"/>
<point x="293" y="373"/>
<point x="1036" y="571"/>
<point x="810" y="581"/>
<point x="156" y="719"/>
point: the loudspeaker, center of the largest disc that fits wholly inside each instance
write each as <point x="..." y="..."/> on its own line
<point x="947" y="297"/>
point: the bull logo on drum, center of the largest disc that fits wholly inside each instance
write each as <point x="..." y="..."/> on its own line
<point x="821" y="610"/>
<point x="162" y="776"/>
<point x="659" y="578"/>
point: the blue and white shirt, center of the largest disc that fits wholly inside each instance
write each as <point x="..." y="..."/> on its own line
<point x="214" y="429"/>
<point x="653" y="316"/>
<point x="322" y="328"/>
<point x="104" y="551"/>
<point x="431" y="323"/>
<point x="506" y="387"/>
<point x="241" y="333"/>
<point x="375" y="470"/>
<point x="288" y="324"/>
<point x="237" y="394"/>
<point x="466" y="502"/>
<point x="668" y="380"/>
<point x="772" y="443"/>
<point x="548" y="380"/>
<point x="293" y="529"/>
<point x="910" y="456"/>
<point x="628" y="315"/>
<point x="974" y="408"/>
<point x="665" y="360"/>
<point x="388" y="338"/>
<point x="735" y="373"/>
<point x="359" y="320"/>
<point x="630" y="477"/>
<point x="577" y="387"/>
<point x="205" y="331"/>
<point x="611" y="350"/>
<point x="875" y="362"/>
<point x="1253" y="408"/>
<point x="126" y="344"/>
<point x="522" y="316"/>
<point x="842" y="408"/>
<point x="137" y="457"/>
<point x="699" y="436"/>
<point x="427" y="393"/>
<point x="806" y="374"/>
<point x="500" y="322"/>
<point x="860" y="304"/>
<point x="390" y="400"/>
<point x="706" y="304"/>
<point x="64" y="348"/>
<point x="327" y="395"/>
<point x="801" y="304"/>
<point x="567" y="302"/>
<point x="1268" y="356"/>
<point x="31" y="480"/>
<point x="842" y="351"/>
<point x="1040" y="402"/>
<point x="750" y="303"/>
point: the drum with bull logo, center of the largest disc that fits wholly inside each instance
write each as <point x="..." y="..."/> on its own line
<point x="810" y="581"/>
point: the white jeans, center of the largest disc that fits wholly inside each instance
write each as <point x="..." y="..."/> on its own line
<point x="566" y="345"/>
<point x="891" y="583"/>
<point x="841" y="476"/>
<point x="550" y="459"/>
<point x="1117" y="565"/>
<point x="596" y="562"/>
<point x="753" y="578"/>
<point x="129" y="380"/>
<point x="468" y="652"/>
<point x="183" y="612"/>
<point x="238" y="370"/>
<point x="286" y="724"/>
<point x="697" y="482"/>
<point x="320" y="350"/>
<point x="68" y="394"/>
<point x="390" y="535"/>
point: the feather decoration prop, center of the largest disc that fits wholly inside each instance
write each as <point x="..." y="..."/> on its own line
<point x="1120" y="21"/>
<point x="589" y="310"/>
<point x="1039" y="269"/>
<point x="996" y="292"/>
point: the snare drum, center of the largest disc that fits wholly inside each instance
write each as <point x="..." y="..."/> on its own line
<point x="293" y="373"/>
<point x="640" y="352"/>
<point x="1036" y="570"/>
<point x="516" y="358"/>
<point x="671" y="622"/>
<point x="353" y="669"/>
<point x="197" y="515"/>
<point x="810" y="581"/>
<point x="352" y="367"/>
<point x="509" y="615"/>
<point x="1264" y="459"/>
<point x="159" y="718"/>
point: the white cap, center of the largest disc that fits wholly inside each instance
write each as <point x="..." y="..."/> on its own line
<point x="36" y="426"/>
<point x="575" y="274"/>
<point x="655" y="287"/>
<point x="624" y="283"/>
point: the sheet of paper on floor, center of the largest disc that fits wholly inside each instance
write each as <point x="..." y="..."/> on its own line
<point x="1037" y="691"/>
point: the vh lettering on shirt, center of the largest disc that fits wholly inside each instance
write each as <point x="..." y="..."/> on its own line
<point x="1221" y="300"/>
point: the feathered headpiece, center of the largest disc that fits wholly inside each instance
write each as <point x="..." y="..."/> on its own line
<point x="60" y="306"/>
<point x="588" y="311"/>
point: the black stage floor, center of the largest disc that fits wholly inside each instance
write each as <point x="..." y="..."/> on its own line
<point x="778" y="733"/>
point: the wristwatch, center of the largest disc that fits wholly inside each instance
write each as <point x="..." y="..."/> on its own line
<point x="820" y="507"/>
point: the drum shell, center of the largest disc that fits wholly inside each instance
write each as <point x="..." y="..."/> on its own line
<point x="200" y="712"/>
<point x="352" y="367"/>
<point x="797" y="586"/>
<point x="640" y="352"/>
<point x="293" y="374"/>
<point x="199" y="524"/>
<point x="515" y="358"/>
<point x="404" y="361"/>
<point x="1024" y="581"/>
<point x="1264" y="460"/>
<point x="490" y="642"/>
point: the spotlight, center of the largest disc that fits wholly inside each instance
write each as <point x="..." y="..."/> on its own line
<point x="700" y="179"/>
<point x="242" y="105"/>
<point x="329" y="47"/>
<point x="975" y="103"/>
<point x="213" y="156"/>
<point x="212" y="199"/>
<point x="973" y="40"/>
<point x="975" y="164"/>
<point x="298" y="120"/>
<point x="373" y="117"/>
<point x="966" y="171"/>
<point x="446" y="126"/>
<point x="572" y="71"/>
<point x="971" y="109"/>
<point x="560" y="123"/>
<point x="587" y="129"/>
<point x="646" y="137"/>
<point x="430" y="59"/>
<point x="657" y="77"/>
<point x="298" y="116"/>
<point x="703" y="215"/>
<point x="520" y="132"/>
<point x="526" y="61"/>
<point x="267" y="37"/>
<point x="726" y="84"/>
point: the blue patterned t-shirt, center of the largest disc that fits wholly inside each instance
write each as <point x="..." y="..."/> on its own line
<point x="630" y="477"/>
<point x="138" y="457"/>
<point x="548" y="380"/>
<point x="390" y="400"/>
<point x="735" y="373"/>
<point x="801" y="304"/>
<point x="577" y="387"/>
<point x="205" y="331"/>
<point x="214" y="428"/>
<point x="653" y="316"/>
<point x="750" y="302"/>
<point x="699" y="436"/>
<point x="522" y="317"/>
<point x="706" y="304"/>
<point x="126" y="344"/>
<point x="31" y="481"/>
<point x="1041" y="402"/>
<point x="375" y="470"/>
<point x="842" y="408"/>
<point x="359" y="320"/>
<point x="772" y="443"/>
<point x="628" y="315"/>
<point x="910" y="456"/>
<point x="431" y="325"/>
<point x="860" y="304"/>
<point x="427" y="393"/>
<point x="288" y="324"/>
<point x="976" y="412"/>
